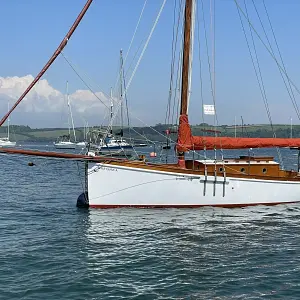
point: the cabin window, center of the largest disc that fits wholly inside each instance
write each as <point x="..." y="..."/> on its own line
<point x="264" y="170"/>
<point x="221" y="169"/>
<point x="243" y="170"/>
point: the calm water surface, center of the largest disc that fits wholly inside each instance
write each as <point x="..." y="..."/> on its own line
<point x="49" y="249"/>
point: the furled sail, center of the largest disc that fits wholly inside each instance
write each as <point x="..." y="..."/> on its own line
<point x="186" y="141"/>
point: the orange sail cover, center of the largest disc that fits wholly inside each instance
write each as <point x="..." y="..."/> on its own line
<point x="186" y="141"/>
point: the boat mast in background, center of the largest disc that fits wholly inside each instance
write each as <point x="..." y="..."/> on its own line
<point x="71" y="115"/>
<point x="5" y="142"/>
<point x="291" y="128"/>
<point x="121" y="90"/>
<point x="8" y="121"/>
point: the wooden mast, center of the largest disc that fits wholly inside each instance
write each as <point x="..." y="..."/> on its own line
<point x="187" y="43"/>
<point x="186" y="66"/>
<point x="51" y="60"/>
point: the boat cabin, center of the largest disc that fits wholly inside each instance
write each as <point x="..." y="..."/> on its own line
<point x="244" y="165"/>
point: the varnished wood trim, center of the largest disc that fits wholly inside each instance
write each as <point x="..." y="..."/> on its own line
<point x="175" y="169"/>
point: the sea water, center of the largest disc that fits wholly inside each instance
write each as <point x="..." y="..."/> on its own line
<point x="49" y="249"/>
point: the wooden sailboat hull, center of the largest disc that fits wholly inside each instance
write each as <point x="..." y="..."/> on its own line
<point x="112" y="186"/>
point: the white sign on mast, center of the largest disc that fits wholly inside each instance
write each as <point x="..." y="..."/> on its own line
<point x="209" y="109"/>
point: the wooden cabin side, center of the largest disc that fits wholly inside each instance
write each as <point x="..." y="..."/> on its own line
<point x="251" y="166"/>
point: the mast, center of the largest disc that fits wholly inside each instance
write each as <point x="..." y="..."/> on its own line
<point x="187" y="55"/>
<point x="51" y="60"/>
<point x="8" y="121"/>
<point x="235" y="126"/>
<point x="86" y="131"/>
<point x="291" y="135"/>
<point x="69" y="127"/>
<point x="71" y="115"/>
<point x="186" y="75"/>
<point x="111" y="109"/>
<point x="121" y="89"/>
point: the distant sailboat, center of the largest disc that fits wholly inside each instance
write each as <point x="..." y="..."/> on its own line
<point x="5" y="141"/>
<point x="64" y="141"/>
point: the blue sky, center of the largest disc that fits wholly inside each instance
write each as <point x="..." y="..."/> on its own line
<point x="32" y="29"/>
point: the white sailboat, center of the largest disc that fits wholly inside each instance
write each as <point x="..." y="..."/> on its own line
<point x="113" y="146"/>
<point x="64" y="141"/>
<point x="244" y="181"/>
<point x="235" y="182"/>
<point x="5" y="141"/>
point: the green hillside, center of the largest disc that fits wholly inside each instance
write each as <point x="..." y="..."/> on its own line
<point x="156" y="133"/>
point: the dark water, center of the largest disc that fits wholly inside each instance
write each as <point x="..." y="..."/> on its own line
<point x="49" y="249"/>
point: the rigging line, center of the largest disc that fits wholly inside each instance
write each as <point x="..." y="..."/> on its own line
<point x="127" y="109"/>
<point x="283" y="65"/>
<point x="268" y="50"/>
<point x="260" y="74"/>
<point x="264" y="90"/>
<point x="167" y="117"/>
<point x="144" y="137"/>
<point x="179" y="81"/>
<point x="142" y="54"/>
<point x="200" y="66"/>
<point x="59" y="49"/>
<point x="213" y="54"/>
<point x="289" y="89"/>
<point x="146" y="44"/>
<point x="132" y="61"/>
<point x="170" y="140"/>
<point x="127" y="113"/>
<point x="121" y="89"/>
<point x="131" y="42"/>
<point x="126" y="102"/>
<point x="212" y="68"/>
<point x="136" y="28"/>
<point x="259" y="81"/>
<point x="251" y="55"/>
<point x="176" y="99"/>
<point x="146" y="125"/>
<point x="261" y="87"/>
<point x="174" y="46"/>
<point x="207" y="54"/>
<point x="69" y="63"/>
<point x="74" y="66"/>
